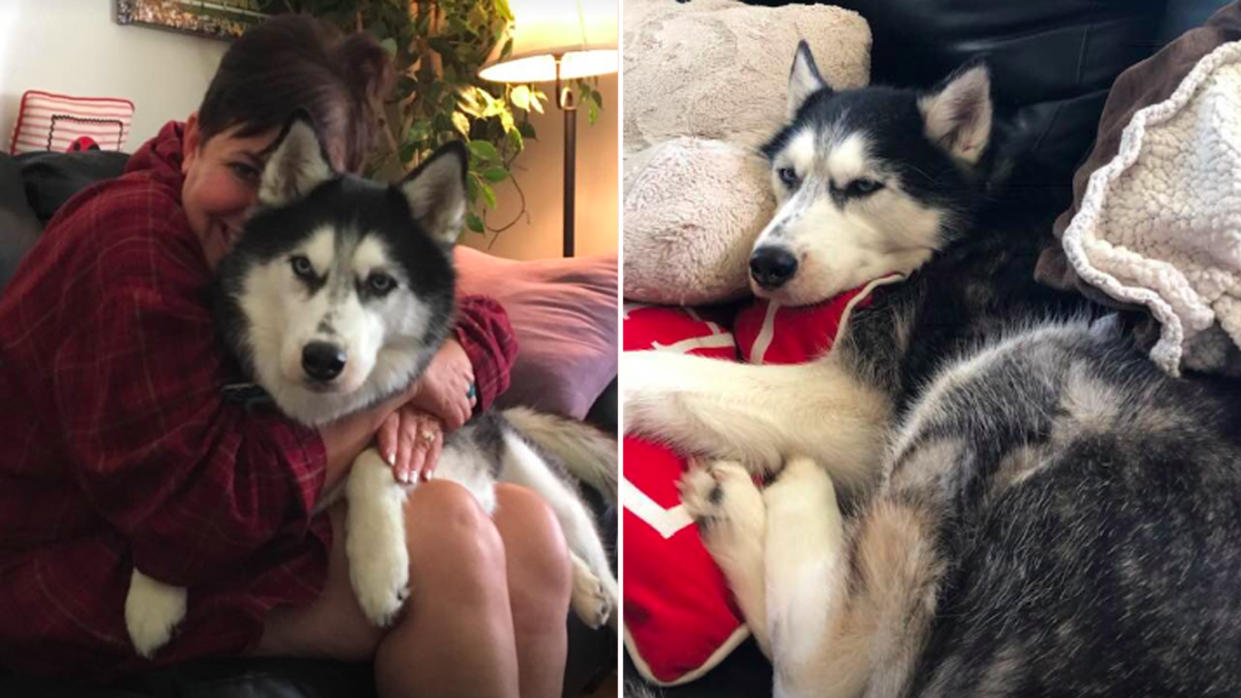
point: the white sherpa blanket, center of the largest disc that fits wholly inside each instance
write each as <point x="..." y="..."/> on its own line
<point x="1160" y="225"/>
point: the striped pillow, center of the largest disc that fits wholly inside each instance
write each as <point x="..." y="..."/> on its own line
<point x="53" y="122"/>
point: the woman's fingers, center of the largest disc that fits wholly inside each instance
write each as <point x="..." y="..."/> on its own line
<point x="427" y="447"/>
<point x="425" y="434"/>
<point x="386" y="437"/>
<point x="432" y="457"/>
<point x="405" y="449"/>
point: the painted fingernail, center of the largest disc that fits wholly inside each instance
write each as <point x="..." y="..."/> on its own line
<point x="390" y="456"/>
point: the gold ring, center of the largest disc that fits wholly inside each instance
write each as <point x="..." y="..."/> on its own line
<point x="427" y="436"/>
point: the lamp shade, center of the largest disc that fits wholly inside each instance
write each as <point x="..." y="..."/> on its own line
<point x="584" y="32"/>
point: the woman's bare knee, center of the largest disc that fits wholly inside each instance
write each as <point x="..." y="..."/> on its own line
<point x="452" y="539"/>
<point x="538" y="557"/>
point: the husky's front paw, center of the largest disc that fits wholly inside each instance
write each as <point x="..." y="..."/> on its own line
<point x="375" y="539"/>
<point x="724" y="502"/>
<point x="152" y="611"/>
<point x="732" y="522"/>
<point x="801" y="488"/>
<point x="591" y="601"/>
<point x="381" y="590"/>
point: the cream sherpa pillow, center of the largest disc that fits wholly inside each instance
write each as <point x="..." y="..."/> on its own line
<point x="705" y="84"/>
<point x="691" y="214"/>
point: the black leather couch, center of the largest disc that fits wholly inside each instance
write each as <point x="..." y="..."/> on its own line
<point x="32" y="187"/>
<point x="1052" y="64"/>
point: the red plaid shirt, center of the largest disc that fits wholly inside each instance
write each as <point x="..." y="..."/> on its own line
<point x="118" y="449"/>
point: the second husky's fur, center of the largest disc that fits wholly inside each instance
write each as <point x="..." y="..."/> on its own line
<point x="983" y="490"/>
<point x="336" y="296"/>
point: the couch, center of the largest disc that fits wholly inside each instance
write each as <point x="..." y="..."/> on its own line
<point x="1052" y="64"/>
<point x="543" y="296"/>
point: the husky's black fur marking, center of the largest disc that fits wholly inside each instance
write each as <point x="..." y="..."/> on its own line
<point x="347" y="203"/>
<point x="1083" y="508"/>
<point x="893" y="121"/>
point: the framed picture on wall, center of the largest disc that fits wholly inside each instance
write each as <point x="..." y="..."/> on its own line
<point x="221" y="19"/>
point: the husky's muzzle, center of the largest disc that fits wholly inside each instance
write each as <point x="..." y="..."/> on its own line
<point x="323" y="361"/>
<point x="772" y="266"/>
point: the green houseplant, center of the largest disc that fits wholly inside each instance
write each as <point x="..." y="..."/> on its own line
<point x="437" y="48"/>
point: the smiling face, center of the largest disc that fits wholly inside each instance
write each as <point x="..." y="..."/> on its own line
<point x="221" y="183"/>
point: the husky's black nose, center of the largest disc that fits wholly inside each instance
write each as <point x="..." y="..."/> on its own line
<point x="322" y="361"/>
<point x="772" y="266"/>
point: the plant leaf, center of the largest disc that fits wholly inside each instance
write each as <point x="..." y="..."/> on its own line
<point x="467" y="101"/>
<point x="474" y="222"/>
<point x="489" y="195"/>
<point x="484" y="151"/>
<point x="389" y="45"/>
<point x="462" y="123"/>
<point x="420" y="130"/>
<point x="495" y="174"/>
<point x="520" y="97"/>
<point x="471" y="186"/>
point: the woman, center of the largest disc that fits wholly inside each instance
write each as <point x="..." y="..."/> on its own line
<point x="121" y="451"/>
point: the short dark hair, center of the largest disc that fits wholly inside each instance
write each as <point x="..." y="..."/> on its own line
<point x="292" y="62"/>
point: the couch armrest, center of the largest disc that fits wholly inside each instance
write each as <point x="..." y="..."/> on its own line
<point x="19" y="227"/>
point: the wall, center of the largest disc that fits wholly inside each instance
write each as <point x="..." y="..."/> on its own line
<point x="539" y="171"/>
<point x="76" y="47"/>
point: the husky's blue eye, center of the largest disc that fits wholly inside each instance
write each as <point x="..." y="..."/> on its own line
<point x="379" y="284"/>
<point x="862" y="187"/>
<point x="302" y="267"/>
<point x="788" y="176"/>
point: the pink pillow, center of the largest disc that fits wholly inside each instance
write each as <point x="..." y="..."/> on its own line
<point x="563" y="311"/>
<point x="47" y="121"/>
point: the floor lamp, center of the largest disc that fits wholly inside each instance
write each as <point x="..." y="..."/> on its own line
<point x="559" y="40"/>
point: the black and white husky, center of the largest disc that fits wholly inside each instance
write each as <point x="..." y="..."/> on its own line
<point x="337" y="295"/>
<point x="973" y="499"/>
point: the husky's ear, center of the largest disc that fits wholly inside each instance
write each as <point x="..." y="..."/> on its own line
<point x="297" y="164"/>
<point x="436" y="192"/>
<point x="804" y="78"/>
<point x="957" y="114"/>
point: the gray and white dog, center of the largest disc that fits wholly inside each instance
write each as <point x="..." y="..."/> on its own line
<point x="336" y="296"/>
<point x="982" y="490"/>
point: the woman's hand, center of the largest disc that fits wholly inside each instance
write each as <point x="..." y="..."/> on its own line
<point x="411" y="439"/>
<point x="446" y="388"/>
<point x="345" y="438"/>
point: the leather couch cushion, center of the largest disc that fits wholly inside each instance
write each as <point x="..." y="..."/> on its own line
<point x="1052" y="62"/>
<point x="51" y="178"/>
<point x="19" y="228"/>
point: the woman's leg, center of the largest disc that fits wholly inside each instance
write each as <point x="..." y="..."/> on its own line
<point x="455" y="636"/>
<point x="539" y="585"/>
